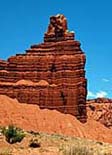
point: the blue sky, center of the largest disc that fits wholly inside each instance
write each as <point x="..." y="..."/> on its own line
<point x="23" y="22"/>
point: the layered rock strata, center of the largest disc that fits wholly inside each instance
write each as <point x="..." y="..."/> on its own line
<point x="50" y="74"/>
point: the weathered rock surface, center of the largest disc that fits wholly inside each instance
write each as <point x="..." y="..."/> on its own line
<point x="100" y="109"/>
<point x="58" y="30"/>
<point x="50" y="74"/>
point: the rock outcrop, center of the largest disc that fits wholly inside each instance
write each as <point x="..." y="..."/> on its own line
<point x="100" y="110"/>
<point x="50" y="74"/>
<point x="100" y="100"/>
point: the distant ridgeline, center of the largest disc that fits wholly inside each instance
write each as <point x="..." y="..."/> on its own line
<point x="50" y="74"/>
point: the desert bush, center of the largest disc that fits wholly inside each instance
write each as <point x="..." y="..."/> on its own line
<point x="13" y="134"/>
<point x="34" y="143"/>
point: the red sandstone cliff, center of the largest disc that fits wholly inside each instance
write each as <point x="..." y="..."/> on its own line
<point x="55" y="70"/>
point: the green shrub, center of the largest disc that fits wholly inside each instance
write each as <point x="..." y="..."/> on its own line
<point x="13" y="134"/>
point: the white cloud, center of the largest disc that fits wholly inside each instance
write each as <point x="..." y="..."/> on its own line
<point x="90" y="94"/>
<point x="99" y="94"/>
<point x="105" y="80"/>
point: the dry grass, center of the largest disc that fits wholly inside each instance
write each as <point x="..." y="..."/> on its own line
<point x="5" y="151"/>
<point x="83" y="150"/>
<point x="54" y="144"/>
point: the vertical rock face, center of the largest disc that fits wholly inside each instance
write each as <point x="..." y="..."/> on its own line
<point x="50" y="74"/>
<point x="58" y="30"/>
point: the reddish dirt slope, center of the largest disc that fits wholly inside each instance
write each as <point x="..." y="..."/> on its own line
<point x="30" y="117"/>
